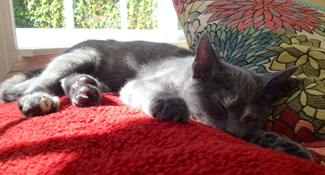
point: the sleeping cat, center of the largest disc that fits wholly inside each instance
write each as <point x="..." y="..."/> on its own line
<point x="164" y="81"/>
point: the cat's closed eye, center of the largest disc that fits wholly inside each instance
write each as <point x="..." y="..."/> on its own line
<point x="221" y="104"/>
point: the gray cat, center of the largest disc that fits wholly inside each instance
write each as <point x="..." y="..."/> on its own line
<point x="164" y="81"/>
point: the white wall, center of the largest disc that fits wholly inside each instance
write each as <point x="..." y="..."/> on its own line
<point x="8" y="47"/>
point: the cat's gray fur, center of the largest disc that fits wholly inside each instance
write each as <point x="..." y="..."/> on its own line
<point x="165" y="81"/>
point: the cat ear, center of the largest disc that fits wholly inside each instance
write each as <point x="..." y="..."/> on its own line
<point x="273" y="81"/>
<point x="205" y="59"/>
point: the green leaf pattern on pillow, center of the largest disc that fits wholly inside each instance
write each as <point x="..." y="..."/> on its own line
<point x="268" y="36"/>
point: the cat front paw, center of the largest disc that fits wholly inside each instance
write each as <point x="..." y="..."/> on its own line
<point x="274" y="141"/>
<point x="37" y="104"/>
<point x="82" y="90"/>
<point x="170" y="109"/>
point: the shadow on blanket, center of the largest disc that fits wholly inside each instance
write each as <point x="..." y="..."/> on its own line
<point x="115" y="139"/>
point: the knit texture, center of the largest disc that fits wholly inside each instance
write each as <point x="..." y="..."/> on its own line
<point x="115" y="139"/>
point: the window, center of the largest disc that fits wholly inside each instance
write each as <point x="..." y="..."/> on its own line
<point x="62" y="23"/>
<point x="26" y="41"/>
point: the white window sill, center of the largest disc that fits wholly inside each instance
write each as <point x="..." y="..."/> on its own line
<point x="35" y="42"/>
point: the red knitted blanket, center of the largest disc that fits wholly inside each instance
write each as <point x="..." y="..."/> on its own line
<point x="115" y="139"/>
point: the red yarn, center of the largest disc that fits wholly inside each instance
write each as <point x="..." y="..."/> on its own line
<point x="115" y="139"/>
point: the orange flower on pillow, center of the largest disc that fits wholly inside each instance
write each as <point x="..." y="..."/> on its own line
<point x="274" y="14"/>
<point x="289" y="125"/>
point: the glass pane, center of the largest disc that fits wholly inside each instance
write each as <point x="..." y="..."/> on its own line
<point x="179" y="25"/>
<point x="104" y="14"/>
<point x="142" y="14"/>
<point x="39" y="14"/>
<point x="97" y="14"/>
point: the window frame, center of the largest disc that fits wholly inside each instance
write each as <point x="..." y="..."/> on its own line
<point x="8" y="45"/>
<point x="28" y="39"/>
<point x="16" y="43"/>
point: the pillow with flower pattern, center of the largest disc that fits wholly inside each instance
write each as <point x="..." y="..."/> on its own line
<point x="268" y="36"/>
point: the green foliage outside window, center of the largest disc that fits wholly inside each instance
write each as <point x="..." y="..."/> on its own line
<point x="39" y="13"/>
<point x="97" y="14"/>
<point x="142" y="14"/>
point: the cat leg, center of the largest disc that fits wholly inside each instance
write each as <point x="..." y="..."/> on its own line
<point x="41" y="96"/>
<point x="274" y="141"/>
<point x="82" y="89"/>
<point x="155" y="101"/>
<point x="13" y="88"/>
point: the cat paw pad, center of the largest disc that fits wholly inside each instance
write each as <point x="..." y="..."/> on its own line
<point x="292" y="148"/>
<point x="82" y="90"/>
<point x="171" y="109"/>
<point x="276" y="142"/>
<point x="37" y="104"/>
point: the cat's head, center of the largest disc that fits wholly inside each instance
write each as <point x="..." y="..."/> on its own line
<point x="228" y="97"/>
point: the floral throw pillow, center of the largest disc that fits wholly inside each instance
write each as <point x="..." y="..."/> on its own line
<point x="268" y="36"/>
